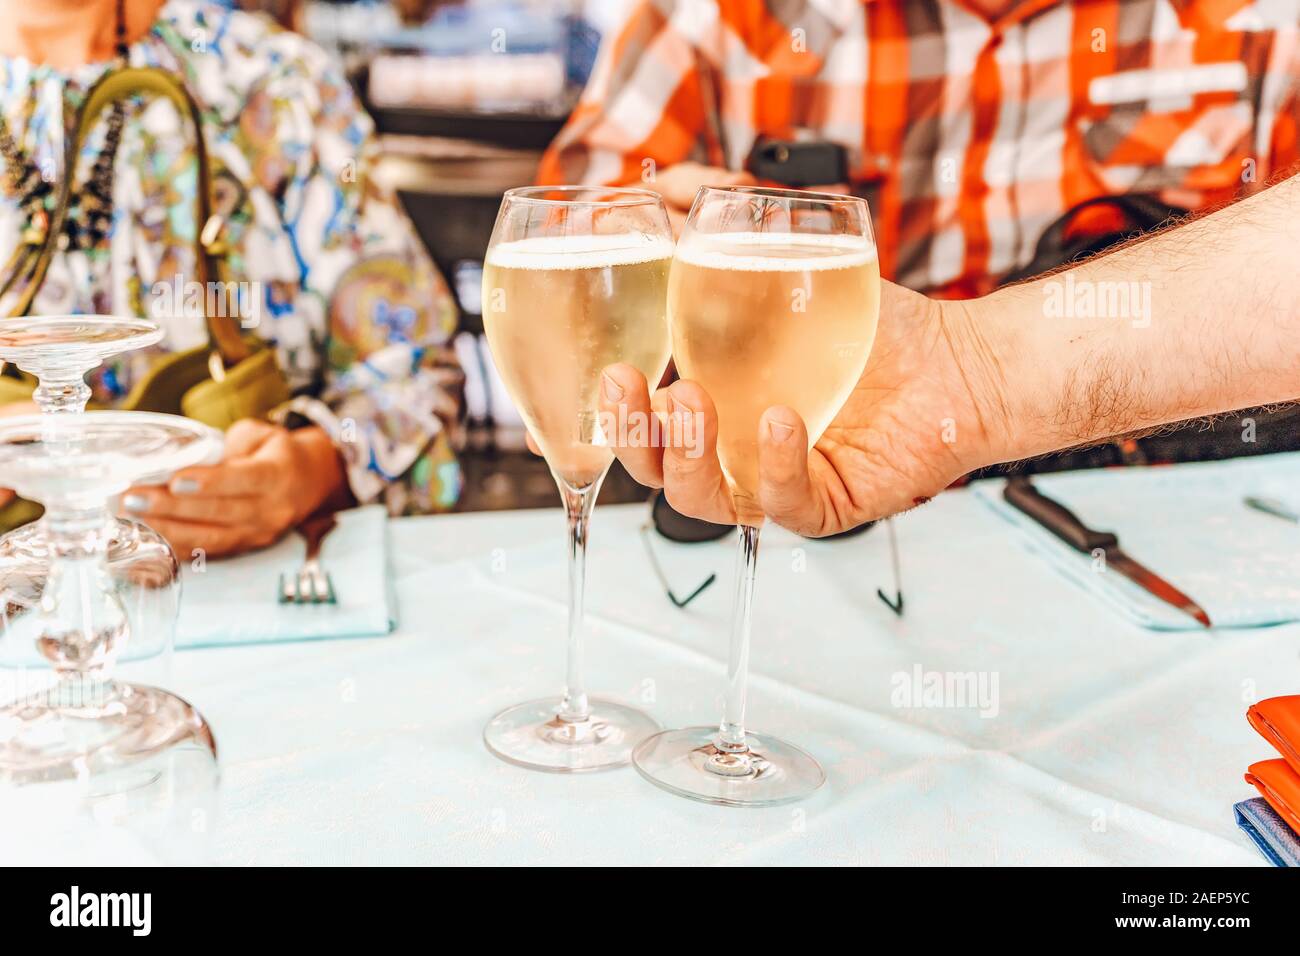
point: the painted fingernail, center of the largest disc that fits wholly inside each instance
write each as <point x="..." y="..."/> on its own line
<point x="611" y="388"/>
<point x="184" y="486"/>
<point x="136" y="503"/>
<point x="779" y="431"/>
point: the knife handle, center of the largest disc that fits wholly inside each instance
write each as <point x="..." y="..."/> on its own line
<point x="1056" y="518"/>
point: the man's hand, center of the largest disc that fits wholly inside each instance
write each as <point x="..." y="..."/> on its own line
<point x="269" y="480"/>
<point x="923" y="414"/>
<point x="678" y="185"/>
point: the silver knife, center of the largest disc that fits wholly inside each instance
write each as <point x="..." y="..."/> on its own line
<point x="1061" y="521"/>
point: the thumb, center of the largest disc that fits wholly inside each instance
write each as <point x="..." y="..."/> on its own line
<point x="785" y="488"/>
<point x="246" y="436"/>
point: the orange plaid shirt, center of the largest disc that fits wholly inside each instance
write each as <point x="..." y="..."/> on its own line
<point x="967" y="135"/>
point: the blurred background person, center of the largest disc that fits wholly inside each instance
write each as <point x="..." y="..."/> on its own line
<point x="466" y="97"/>
<point x="346" y="295"/>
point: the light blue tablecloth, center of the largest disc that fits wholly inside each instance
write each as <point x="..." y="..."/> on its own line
<point x="1190" y="526"/>
<point x="1102" y="745"/>
<point x="236" y="602"/>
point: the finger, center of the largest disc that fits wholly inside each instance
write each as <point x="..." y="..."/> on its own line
<point x="149" y="503"/>
<point x="234" y="478"/>
<point x="243" y="439"/>
<point x="728" y="177"/>
<point x="841" y="189"/>
<point x="693" y="480"/>
<point x="191" y="540"/>
<point x="679" y="183"/>
<point x="676" y="220"/>
<point x="785" y="488"/>
<point x="684" y="193"/>
<point x="532" y="443"/>
<point x="247" y="435"/>
<point x="625" y="406"/>
<point x="6" y="495"/>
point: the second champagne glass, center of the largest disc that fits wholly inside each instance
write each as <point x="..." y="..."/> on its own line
<point x="59" y="351"/>
<point x="773" y="300"/>
<point x="94" y="769"/>
<point x="575" y="279"/>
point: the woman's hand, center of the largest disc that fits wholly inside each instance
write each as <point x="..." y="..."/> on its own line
<point x="6" y="411"/>
<point x="927" y="410"/>
<point x="268" y="481"/>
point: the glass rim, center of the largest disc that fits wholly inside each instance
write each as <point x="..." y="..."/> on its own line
<point x="89" y="318"/>
<point x="627" y="196"/>
<point x="784" y="193"/>
<point x="88" y="422"/>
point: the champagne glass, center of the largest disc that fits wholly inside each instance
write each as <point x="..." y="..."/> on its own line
<point x="772" y="300"/>
<point x="92" y="769"/>
<point x="574" y="280"/>
<point x="59" y="350"/>
<point x="84" y="723"/>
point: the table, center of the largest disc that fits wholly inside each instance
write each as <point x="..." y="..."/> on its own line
<point x="1108" y="744"/>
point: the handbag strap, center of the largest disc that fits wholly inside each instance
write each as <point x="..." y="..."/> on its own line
<point x="224" y="334"/>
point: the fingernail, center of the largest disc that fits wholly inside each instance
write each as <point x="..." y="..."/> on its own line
<point x="678" y="407"/>
<point x="184" y="486"/>
<point x="136" y="503"/>
<point x="610" y="387"/>
<point x="780" y="432"/>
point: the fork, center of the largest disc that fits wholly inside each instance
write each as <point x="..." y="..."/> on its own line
<point x="312" y="584"/>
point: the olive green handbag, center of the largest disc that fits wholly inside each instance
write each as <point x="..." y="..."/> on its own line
<point x="233" y="376"/>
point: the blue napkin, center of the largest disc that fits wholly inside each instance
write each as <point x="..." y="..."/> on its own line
<point x="1186" y="523"/>
<point x="235" y="601"/>
<point x="1275" y="839"/>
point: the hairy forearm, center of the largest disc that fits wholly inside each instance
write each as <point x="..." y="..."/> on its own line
<point x="1199" y="320"/>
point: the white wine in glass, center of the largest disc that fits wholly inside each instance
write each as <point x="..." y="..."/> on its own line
<point x="575" y="279"/>
<point x="772" y="300"/>
<point x="569" y="306"/>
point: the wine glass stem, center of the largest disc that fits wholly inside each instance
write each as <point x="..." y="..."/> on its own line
<point x="731" y="734"/>
<point x="578" y="504"/>
<point x="62" y="393"/>
<point x="83" y="624"/>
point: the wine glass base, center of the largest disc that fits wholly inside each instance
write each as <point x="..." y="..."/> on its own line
<point x="687" y="763"/>
<point x="163" y="810"/>
<point x="40" y="343"/>
<point x="46" y="738"/>
<point x="532" y="735"/>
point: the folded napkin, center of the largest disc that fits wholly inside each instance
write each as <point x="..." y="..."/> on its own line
<point x="1272" y="819"/>
<point x="1277" y="720"/>
<point x="1274" y="838"/>
<point x="235" y="601"/>
<point x="1186" y="523"/>
<point x="1280" y="786"/>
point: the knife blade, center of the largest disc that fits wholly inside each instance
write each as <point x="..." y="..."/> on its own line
<point x="1021" y="494"/>
<point x="1271" y="506"/>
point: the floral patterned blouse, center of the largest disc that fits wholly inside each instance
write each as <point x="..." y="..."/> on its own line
<point x="329" y="269"/>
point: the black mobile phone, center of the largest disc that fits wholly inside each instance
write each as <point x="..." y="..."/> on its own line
<point x="798" y="163"/>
